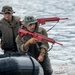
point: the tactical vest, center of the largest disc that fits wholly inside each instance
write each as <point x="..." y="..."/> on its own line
<point x="8" y="33"/>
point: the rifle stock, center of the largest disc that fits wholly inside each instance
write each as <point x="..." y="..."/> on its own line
<point x="40" y="37"/>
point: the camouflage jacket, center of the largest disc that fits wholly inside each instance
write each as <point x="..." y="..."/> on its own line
<point x="33" y="49"/>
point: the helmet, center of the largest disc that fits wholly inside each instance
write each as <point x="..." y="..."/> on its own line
<point x="7" y="9"/>
<point x="29" y="20"/>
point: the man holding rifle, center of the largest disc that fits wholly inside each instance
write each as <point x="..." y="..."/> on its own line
<point x="30" y="44"/>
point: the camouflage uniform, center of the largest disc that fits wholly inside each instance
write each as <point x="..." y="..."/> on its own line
<point x="8" y="32"/>
<point x="34" y="49"/>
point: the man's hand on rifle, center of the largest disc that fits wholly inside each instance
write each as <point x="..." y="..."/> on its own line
<point x="32" y="41"/>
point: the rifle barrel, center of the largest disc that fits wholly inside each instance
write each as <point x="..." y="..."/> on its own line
<point x="59" y="43"/>
<point x="43" y="20"/>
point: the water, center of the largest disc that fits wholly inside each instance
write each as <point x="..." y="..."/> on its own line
<point x="62" y="57"/>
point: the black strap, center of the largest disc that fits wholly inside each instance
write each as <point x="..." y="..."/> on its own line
<point x="33" y="71"/>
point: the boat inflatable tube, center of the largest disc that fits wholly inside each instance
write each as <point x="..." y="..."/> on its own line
<point x="19" y="65"/>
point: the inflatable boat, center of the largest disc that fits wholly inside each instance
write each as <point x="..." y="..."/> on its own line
<point x="19" y="64"/>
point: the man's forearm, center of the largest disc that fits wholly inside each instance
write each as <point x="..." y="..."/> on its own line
<point x="43" y="52"/>
<point x="26" y="46"/>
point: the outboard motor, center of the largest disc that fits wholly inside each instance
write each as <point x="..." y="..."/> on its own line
<point x="19" y="64"/>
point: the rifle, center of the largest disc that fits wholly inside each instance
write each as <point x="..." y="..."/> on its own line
<point x="44" y="20"/>
<point x="40" y="37"/>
